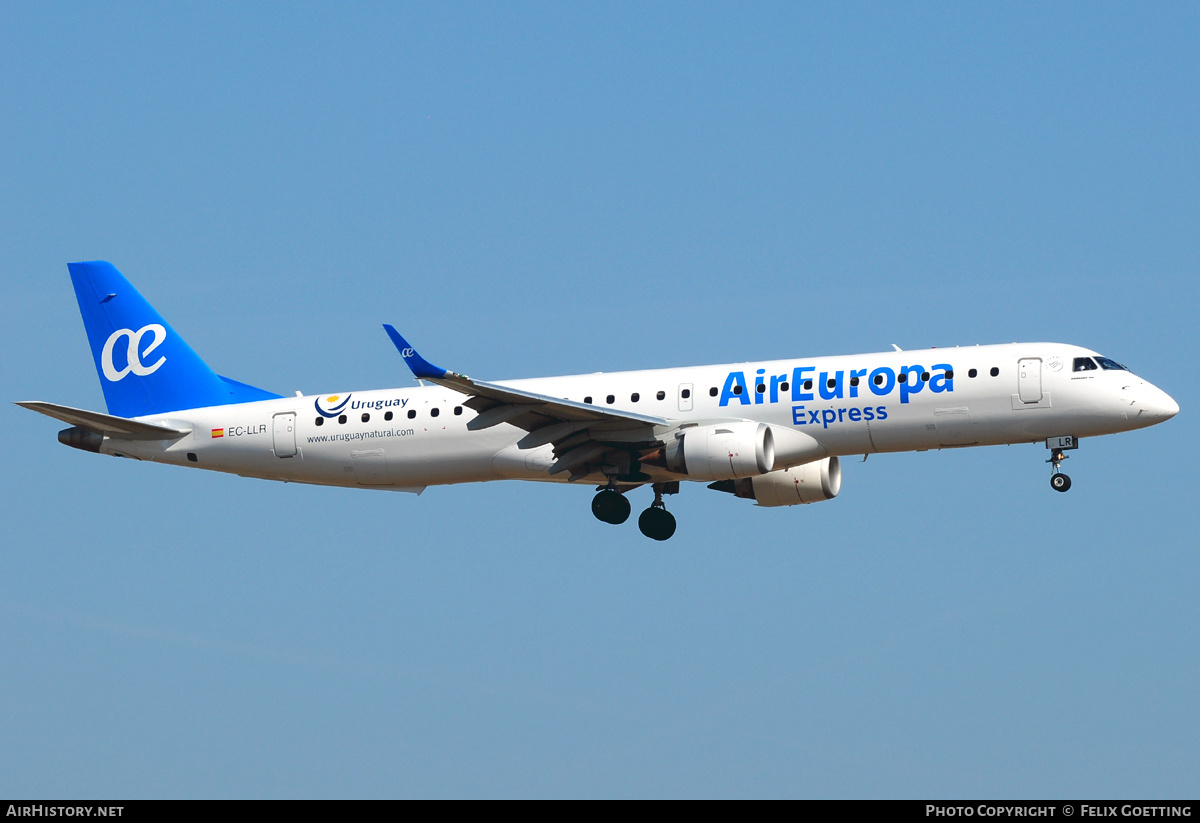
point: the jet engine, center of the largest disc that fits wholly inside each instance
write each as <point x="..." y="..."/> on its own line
<point x="722" y="451"/>
<point x="810" y="483"/>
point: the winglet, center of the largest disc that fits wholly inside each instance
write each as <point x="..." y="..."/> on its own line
<point x="421" y="368"/>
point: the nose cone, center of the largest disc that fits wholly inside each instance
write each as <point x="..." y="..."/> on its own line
<point x="1157" y="404"/>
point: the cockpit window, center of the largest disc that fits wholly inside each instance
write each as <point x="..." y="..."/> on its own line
<point x="1084" y="364"/>
<point x="1110" y="365"/>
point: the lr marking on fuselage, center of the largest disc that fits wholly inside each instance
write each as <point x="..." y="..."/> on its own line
<point x="239" y="431"/>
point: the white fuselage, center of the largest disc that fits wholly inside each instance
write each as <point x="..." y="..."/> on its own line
<point x="409" y="438"/>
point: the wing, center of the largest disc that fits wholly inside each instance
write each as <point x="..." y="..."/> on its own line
<point x="584" y="436"/>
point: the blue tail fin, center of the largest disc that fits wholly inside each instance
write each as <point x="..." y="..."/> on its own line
<point x="145" y="367"/>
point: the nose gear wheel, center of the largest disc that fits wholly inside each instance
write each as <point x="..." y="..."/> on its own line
<point x="1058" y="481"/>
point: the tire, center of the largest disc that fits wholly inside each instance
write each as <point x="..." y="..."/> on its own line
<point x="610" y="507"/>
<point x="1060" y="482"/>
<point x="623" y="509"/>
<point x="657" y="524"/>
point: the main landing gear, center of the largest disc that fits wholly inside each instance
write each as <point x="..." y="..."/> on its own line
<point x="610" y="506"/>
<point x="656" y="522"/>
<point x="1058" y="446"/>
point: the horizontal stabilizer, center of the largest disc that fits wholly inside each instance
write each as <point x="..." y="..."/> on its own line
<point x="119" y="427"/>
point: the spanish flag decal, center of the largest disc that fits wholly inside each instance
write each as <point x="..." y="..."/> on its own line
<point x="218" y="433"/>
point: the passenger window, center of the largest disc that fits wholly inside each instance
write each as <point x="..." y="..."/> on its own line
<point x="633" y="398"/>
<point x="457" y="410"/>
<point x="366" y="418"/>
<point x="712" y="392"/>
<point x="320" y="421"/>
<point x="662" y="395"/>
<point x="761" y="388"/>
<point x="1084" y="364"/>
<point x="387" y="415"/>
<point x="903" y="377"/>
<point x="924" y="377"/>
<point x="950" y="374"/>
<point x="853" y="381"/>
<point x="435" y="411"/>
<point x="686" y="393"/>
<point x="995" y="372"/>
<point x="412" y="413"/>
<point x="737" y="389"/>
<point x="610" y="399"/>
<point x="588" y="400"/>
<point x="879" y="380"/>
<point x="972" y="372"/>
<point x="783" y="386"/>
<point x="808" y="385"/>
<point x="830" y="383"/>
<point x="342" y="418"/>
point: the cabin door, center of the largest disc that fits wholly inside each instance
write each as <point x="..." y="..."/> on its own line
<point x="284" y="430"/>
<point x="1029" y="379"/>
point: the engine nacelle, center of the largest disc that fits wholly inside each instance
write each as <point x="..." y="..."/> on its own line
<point x="793" y="448"/>
<point x="724" y="451"/>
<point x="810" y="483"/>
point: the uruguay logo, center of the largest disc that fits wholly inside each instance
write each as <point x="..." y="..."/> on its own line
<point x="134" y="355"/>
<point x="334" y="404"/>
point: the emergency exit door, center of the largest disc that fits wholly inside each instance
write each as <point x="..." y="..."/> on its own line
<point x="685" y="396"/>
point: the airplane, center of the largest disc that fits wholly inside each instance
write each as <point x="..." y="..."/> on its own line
<point x="767" y="431"/>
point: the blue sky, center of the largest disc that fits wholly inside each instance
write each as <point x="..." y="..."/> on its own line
<point x="534" y="189"/>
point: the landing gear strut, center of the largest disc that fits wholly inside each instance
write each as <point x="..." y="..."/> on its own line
<point x="1057" y="446"/>
<point x="656" y="522"/>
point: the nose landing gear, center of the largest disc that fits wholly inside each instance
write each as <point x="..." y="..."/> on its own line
<point x="1058" y="446"/>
